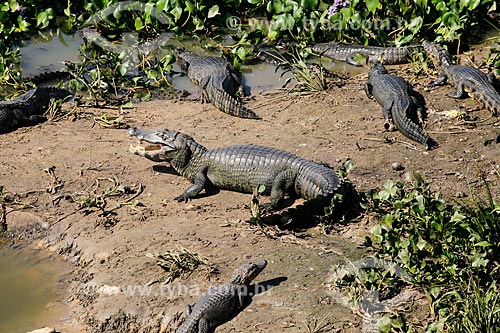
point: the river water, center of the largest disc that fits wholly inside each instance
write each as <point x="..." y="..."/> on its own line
<point x="31" y="292"/>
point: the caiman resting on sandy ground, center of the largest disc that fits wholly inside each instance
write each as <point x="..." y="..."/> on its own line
<point x="347" y="52"/>
<point x="400" y="103"/>
<point x="238" y="168"/>
<point x="28" y="109"/>
<point x="219" y="304"/>
<point x="218" y="82"/>
<point x="465" y="79"/>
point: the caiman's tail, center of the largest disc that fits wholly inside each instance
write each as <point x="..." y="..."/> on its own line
<point x="489" y="98"/>
<point x="413" y="131"/>
<point x="43" y="95"/>
<point x="228" y="104"/>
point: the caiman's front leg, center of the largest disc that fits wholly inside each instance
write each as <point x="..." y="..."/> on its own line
<point x="199" y="183"/>
<point x="440" y="80"/>
<point x="203" y="90"/>
<point x="387" y="114"/>
<point x="368" y="90"/>
<point x="461" y="89"/>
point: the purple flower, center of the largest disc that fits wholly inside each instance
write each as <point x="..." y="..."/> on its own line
<point x="337" y="4"/>
<point x="20" y="10"/>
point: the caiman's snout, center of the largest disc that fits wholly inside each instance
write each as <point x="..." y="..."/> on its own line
<point x="158" y="147"/>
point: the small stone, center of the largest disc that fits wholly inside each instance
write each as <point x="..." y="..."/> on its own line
<point x="397" y="166"/>
<point x="460" y="194"/>
<point x="109" y="290"/>
<point x="44" y="330"/>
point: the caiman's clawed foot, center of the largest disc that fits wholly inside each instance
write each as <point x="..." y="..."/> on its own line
<point x="182" y="198"/>
<point x="267" y="208"/>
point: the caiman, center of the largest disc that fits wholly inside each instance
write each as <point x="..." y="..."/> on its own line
<point x="218" y="82"/>
<point x="465" y="79"/>
<point x="238" y="168"/>
<point x="347" y="52"/>
<point x="28" y="109"/>
<point x="281" y="59"/>
<point x="222" y="303"/>
<point x="400" y="103"/>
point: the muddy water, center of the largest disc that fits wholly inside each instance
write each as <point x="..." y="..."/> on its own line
<point x="48" y="51"/>
<point x="31" y="294"/>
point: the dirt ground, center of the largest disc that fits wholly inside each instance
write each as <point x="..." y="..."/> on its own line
<point x="109" y="252"/>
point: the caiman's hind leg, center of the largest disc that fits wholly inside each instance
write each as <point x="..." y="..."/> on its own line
<point x="282" y="183"/>
<point x="23" y="120"/>
<point x="460" y="93"/>
<point x="492" y="78"/>
<point x="420" y="106"/>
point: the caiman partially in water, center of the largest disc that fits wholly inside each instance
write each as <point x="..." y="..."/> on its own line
<point x="347" y="52"/>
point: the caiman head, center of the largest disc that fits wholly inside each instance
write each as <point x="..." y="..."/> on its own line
<point x="249" y="271"/>
<point x="437" y="51"/>
<point x="378" y="68"/>
<point x="163" y="145"/>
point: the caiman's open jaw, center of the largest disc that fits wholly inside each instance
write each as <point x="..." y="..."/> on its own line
<point x="160" y="143"/>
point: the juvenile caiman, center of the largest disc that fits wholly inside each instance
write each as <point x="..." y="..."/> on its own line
<point x="400" y="103"/>
<point x="238" y="168"/>
<point x="220" y="304"/>
<point x="28" y="109"/>
<point x="465" y="79"/>
<point x="218" y="82"/>
<point x="347" y="52"/>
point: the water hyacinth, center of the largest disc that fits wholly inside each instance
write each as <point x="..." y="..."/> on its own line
<point x="337" y="4"/>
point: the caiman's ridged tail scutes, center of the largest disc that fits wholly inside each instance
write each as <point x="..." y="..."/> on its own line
<point x="228" y="104"/>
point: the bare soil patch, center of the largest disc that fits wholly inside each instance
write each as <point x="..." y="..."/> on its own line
<point x="108" y="250"/>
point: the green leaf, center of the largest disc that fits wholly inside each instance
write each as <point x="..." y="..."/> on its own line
<point x="213" y="11"/>
<point x="372" y="5"/>
<point x="275" y="7"/>
<point x="284" y="22"/>
<point x="308" y="4"/>
<point x="177" y="12"/>
<point x="122" y="69"/>
<point x="415" y="24"/>
<point x="13" y="5"/>
<point x="41" y="19"/>
<point x="138" y="23"/>
<point x="421" y="244"/>
<point x="483" y="244"/>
